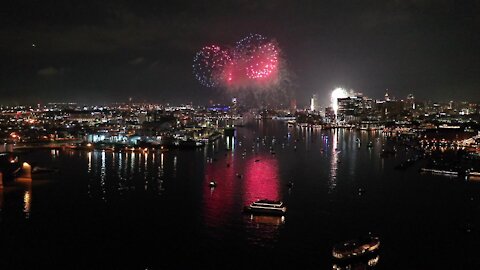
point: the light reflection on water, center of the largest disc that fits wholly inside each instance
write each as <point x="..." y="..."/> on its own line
<point x="145" y="170"/>
<point x="174" y="167"/>
<point x="27" y="200"/>
<point x="324" y="165"/>
<point x="263" y="231"/>
<point x="113" y="174"/>
<point x="89" y="157"/>
<point x="160" y="171"/>
<point x="103" y="175"/>
<point x="361" y="264"/>
<point x="54" y="153"/>
<point x="333" y="161"/>
<point x="1" y="199"/>
<point x="167" y="195"/>
<point x="241" y="180"/>
<point x="261" y="179"/>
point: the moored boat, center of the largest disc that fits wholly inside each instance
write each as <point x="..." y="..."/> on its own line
<point x="43" y="170"/>
<point x="9" y="166"/>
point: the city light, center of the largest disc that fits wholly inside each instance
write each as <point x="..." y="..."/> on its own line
<point x="336" y="94"/>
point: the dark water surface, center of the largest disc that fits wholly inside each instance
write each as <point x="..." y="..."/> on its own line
<point x="106" y="210"/>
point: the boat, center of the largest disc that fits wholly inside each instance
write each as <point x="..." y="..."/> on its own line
<point x="290" y="184"/>
<point x="438" y="171"/>
<point x="365" y="262"/>
<point x="473" y="174"/>
<point x="9" y="166"/>
<point x="268" y="207"/>
<point x="212" y="184"/>
<point x="40" y="170"/>
<point x="356" y="248"/>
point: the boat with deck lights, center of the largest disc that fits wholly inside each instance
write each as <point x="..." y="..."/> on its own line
<point x="267" y="207"/>
<point x="356" y="248"/>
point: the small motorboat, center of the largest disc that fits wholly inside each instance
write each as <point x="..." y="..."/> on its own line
<point x="42" y="170"/>
<point x="356" y="248"/>
<point x="290" y="184"/>
<point x="212" y="183"/>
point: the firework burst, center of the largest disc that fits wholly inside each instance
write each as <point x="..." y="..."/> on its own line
<point x="210" y="64"/>
<point x="253" y="62"/>
<point x="258" y="56"/>
<point x="264" y="62"/>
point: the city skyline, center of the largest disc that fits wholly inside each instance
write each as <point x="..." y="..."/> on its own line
<point x="107" y="52"/>
<point x="240" y="134"/>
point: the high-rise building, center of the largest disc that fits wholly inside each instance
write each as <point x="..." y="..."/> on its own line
<point x="350" y="108"/>
<point x="314" y="103"/>
<point x="387" y="97"/>
<point x="410" y="103"/>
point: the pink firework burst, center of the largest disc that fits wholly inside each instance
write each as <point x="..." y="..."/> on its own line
<point x="257" y="57"/>
<point x="264" y="62"/>
<point x="254" y="62"/>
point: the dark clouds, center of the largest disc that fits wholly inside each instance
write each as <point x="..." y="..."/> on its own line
<point x="109" y="51"/>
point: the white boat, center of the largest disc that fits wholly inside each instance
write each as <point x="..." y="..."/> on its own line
<point x="441" y="172"/>
<point x="268" y="207"/>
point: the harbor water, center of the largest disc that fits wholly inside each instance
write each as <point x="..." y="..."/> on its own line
<point x="156" y="210"/>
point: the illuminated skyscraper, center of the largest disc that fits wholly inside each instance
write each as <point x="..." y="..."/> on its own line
<point x="314" y="103"/>
<point x="410" y="102"/>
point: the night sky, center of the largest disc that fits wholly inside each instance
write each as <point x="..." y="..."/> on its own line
<point x="108" y="51"/>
